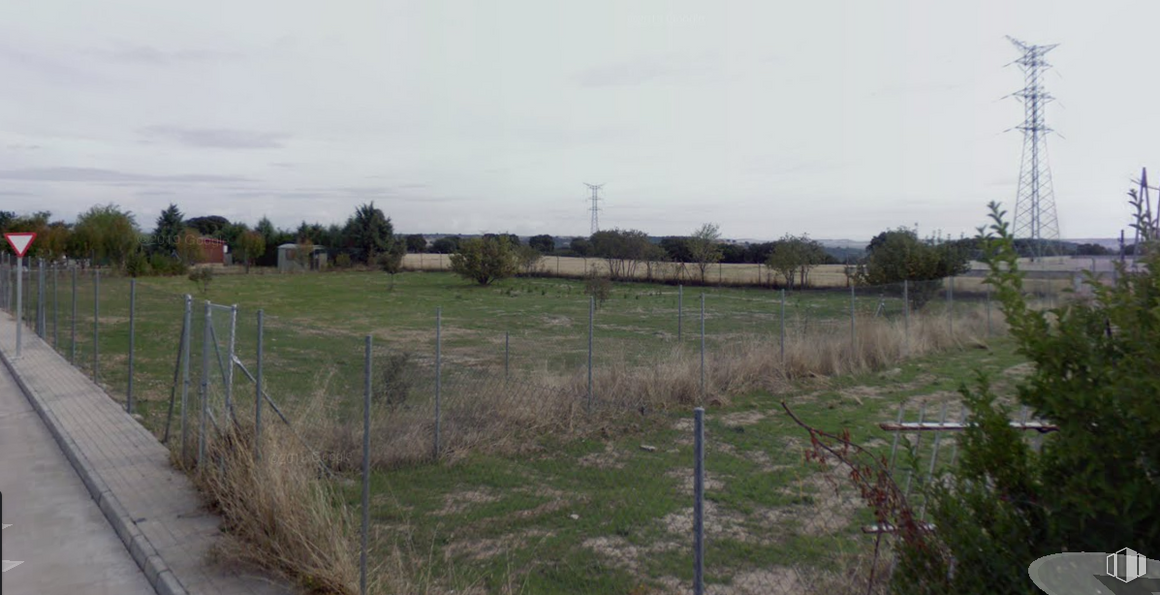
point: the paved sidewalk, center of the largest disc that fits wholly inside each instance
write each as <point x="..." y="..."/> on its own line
<point x="62" y="540"/>
<point x="153" y="508"/>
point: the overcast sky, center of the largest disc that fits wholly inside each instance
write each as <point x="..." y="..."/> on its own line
<point x="838" y="119"/>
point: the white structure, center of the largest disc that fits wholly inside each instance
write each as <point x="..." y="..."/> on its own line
<point x="1127" y="565"/>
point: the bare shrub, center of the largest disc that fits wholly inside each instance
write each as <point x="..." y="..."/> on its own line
<point x="278" y="513"/>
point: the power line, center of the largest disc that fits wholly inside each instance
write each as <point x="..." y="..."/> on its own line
<point x="595" y="208"/>
<point x="1035" y="216"/>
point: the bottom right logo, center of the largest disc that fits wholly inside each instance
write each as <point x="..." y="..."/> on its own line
<point x="1127" y="565"/>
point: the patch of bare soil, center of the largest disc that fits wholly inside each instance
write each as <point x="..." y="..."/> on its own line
<point x="762" y="458"/>
<point x="919" y="381"/>
<point x="933" y="403"/>
<point x="1019" y="371"/>
<point x="624" y="554"/>
<point x="719" y="524"/>
<point x="483" y="548"/>
<point x="551" y="320"/>
<point x="458" y="502"/>
<point x="742" y="418"/>
<point x="832" y="508"/>
<point x="860" y="394"/>
<point x="775" y="579"/>
<point x="685" y="477"/>
<point x="609" y="458"/>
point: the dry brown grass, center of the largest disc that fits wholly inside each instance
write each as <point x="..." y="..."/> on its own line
<point x="827" y="275"/>
<point x="485" y="413"/>
<point x="278" y="513"/>
<point x="281" y="514"/>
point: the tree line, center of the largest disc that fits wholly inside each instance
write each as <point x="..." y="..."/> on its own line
<point x="108" y="234"/>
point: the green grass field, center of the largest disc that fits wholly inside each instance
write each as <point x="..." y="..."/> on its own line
<point x="603" y="511"/>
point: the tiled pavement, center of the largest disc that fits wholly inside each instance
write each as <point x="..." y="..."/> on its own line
<point x="153" y="508"/>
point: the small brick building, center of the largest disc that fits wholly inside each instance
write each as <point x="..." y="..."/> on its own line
<point x="214" y="250"/>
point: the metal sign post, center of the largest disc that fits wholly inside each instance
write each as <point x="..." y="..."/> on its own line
<point x="20" y="242"/>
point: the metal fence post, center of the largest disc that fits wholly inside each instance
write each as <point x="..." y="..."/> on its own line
<point x="591" y="316"/>
<point x="28" y="281"/>
<point x="366" y="468"/>
<point x="132" y="337"/>
<point x="853" y="334"/>
<point x="55" y="307"/>
<point x="951" y="306"/>
<point x="72" y="358"/>
<point x="229" y="371"/>
<point x="19" y="305"/>
<point x="783" y="327"/>
<point x="702" y="347"/>
<point x="988" y="310"/>
<point x="699" y="500"/>
<point x="186" y="378"/>
<point x="205" y="338"/>
<point x="906" y="317"/>
<point x="41" y="311"/>
<point x="506" y="353"/>
<point x="680" y="310"/>
<point x="96" y="322"/>
<point x="258" y="391"/>
<point x="438" y="372"/>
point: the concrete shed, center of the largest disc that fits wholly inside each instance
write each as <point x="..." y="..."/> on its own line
<point x="289" y="261"/>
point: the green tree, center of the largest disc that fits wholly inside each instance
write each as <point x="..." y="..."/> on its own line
<point x="581" y="246"/>
<point x="1094" y="484"/>
<point x="622" y="249"/>
<point x="484" y="260"/>
<point x="268" y="231"/>
<point x="37" y="223"/>
<point x="252" y="245"/>
<point x="170" y="225"/>
<point x="368" y="233"/>
<point x="810" y="254"/>
<point x="653" y="257"/>
<point x="315" y="232"/>
<point x="391" y="261"/>
<point x="190" y="250"/>
<point x="512" y="238"/>
<point x="705" y="247"/>
<point x="416" y="243"/>
<point x="107" y="232"/>
<point x="54" y="241"/>
<point x="528" y="259"/>
<point x="445" y="245"/>
<point x="899" y="255"/>
<point x="209" y="225"/>
<point x="677" y="249"/>
<point x="544" y="243"/>
<point x="598" y="286"/>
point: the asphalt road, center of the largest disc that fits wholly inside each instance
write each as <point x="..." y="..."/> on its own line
<point x="63" y="541"/>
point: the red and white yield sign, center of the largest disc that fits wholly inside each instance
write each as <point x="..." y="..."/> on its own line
<point x="20" y="241"/>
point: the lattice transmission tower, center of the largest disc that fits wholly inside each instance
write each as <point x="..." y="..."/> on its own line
<point x="595" y="208"/>
<point x="1035" y="218"/>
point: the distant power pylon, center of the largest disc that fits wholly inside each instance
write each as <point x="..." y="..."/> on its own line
<point x="595" y="208"/>
<point x="1035" y="218"/>
<point x="1151" y="219"/>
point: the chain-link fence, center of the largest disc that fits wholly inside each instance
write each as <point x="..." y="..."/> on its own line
<point x="543" y="447"/>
